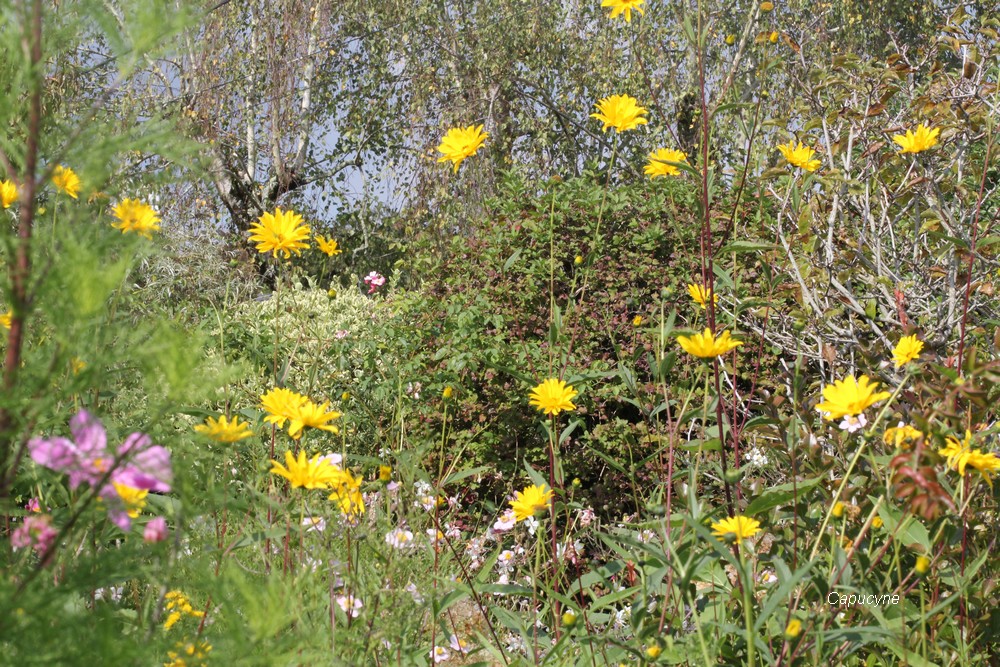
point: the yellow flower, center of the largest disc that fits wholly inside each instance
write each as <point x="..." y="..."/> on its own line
<point x="766" y="6"/>
<point x="224" y="430"/>
<point x="532" y="499"/>
<point x="740" y="527"/>
<point x="773" y="38"/>
<point x="624" y="7"/>
<point x="447" y="393"/>
<point x="327" y="246"/>
<point x="922" y="565"/>
<point x="850" y="397"/>
<point x="699" y="294"/>
<point x="960" y="455"/>
<point x="134" y="499"/>
<point x="553" y="396"/>
<point x="188" y="651"/>
<point x="707" y="346"/>
<point x="8" y="193"/>
<point x="902" y="436"/>
<point x="134" y="216"/>
<point x="730" y="39"/>
<point x="66" y="180"/>
<point x="800" y="156"/>
<point x="5" y="319"/>
<point x="281" y="405"/>
<point x="794" y="627"/>
<point x="578" y="260"/>
<point x="621" y="112"/>
<point x="282" y="231"/>
<point x="637" y="321"/>
<point x="907" y="349"/>
<point x="916" y="142"/>
<point x="347" y="494"/>
<point x="876" y="522"/>
<point x="658" y="162"/>
<point x="77" y="364"/>
<point x="178" y="605"/>
<point x="653" y="652"/>
<point x="459" y="143"/>
<point x="314" y="416"/>
<point x="315" y="473"/>
<point x="384" y="473"/>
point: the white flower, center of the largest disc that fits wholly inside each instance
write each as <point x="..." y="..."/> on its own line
<point x="756" y="458"/>
<point x="314" y="523"/>
<point x="505" y="560"/>
<point x="645" y="535"/>
<point x="399" y="538"/>
<point x="350" y="604"/>
<point x="587" y="517"/>
<point x="411" y="588"/>
<point x="460" y="645"/>
<point x="532" y="524"/>
<point x="333" y="457"/>
<point x="439" y="654"/>
<point x="112" y="593"/>
<point x="852" y="423"/>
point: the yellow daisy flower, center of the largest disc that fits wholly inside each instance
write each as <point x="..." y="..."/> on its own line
<point x="281" y="405"/>
<point x="281" y="231"/>
<point x="960" y="455"/>
<point x="850" y="397"/>
<point x="659" y="159"/>
<point x="619" y="7"/>
<point x="800" y="156"/>
<point x="5" y="319"/>
<point x="315" y="473"/>
<point x="347" y="494"/>
<point x="532" y="499"/>
<point x="135" y="216"/>
<point x="907" y="349"/>
<point x="699" y="294"/>
<point x="707" y="346"/>
<point x="461" y="142"/>
<point x="553" y="396"/>
<point x="327" y="246"/>
<point x="919" y="141"/>
<point x="224" y="429"/>
<point x="902" y="436"/>
<point x="314" y="416"/>
<point x="740" y="527"/>
<point x="66" y="180"/>
<point x="134" y="499"/>
<point x="621" y="112"/>
<point x="8" y="193"/>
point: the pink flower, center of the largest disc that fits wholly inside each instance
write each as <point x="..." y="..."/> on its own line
<point x="87" y="459"/>
<point x="505" y="522"/>
<point x="36" y="532"/>
<point x="374" y="280"/>
<point x="155" y="531"/>
<point x="33" y="505"/>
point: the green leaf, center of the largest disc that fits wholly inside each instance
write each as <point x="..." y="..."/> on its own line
<point x="779" y="495"/>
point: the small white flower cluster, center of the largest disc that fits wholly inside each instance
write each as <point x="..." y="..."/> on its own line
<point x="756" y="458"/>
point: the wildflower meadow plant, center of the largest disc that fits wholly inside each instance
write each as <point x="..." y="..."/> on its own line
<point x="650" y="386"/>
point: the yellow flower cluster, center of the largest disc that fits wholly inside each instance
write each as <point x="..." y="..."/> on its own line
<point x="320" y="472"/>
<point x="178" y="606"/>
<point x="284" y="405"/>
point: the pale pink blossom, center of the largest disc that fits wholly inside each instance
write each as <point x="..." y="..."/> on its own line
<point x="155" y="531"/>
